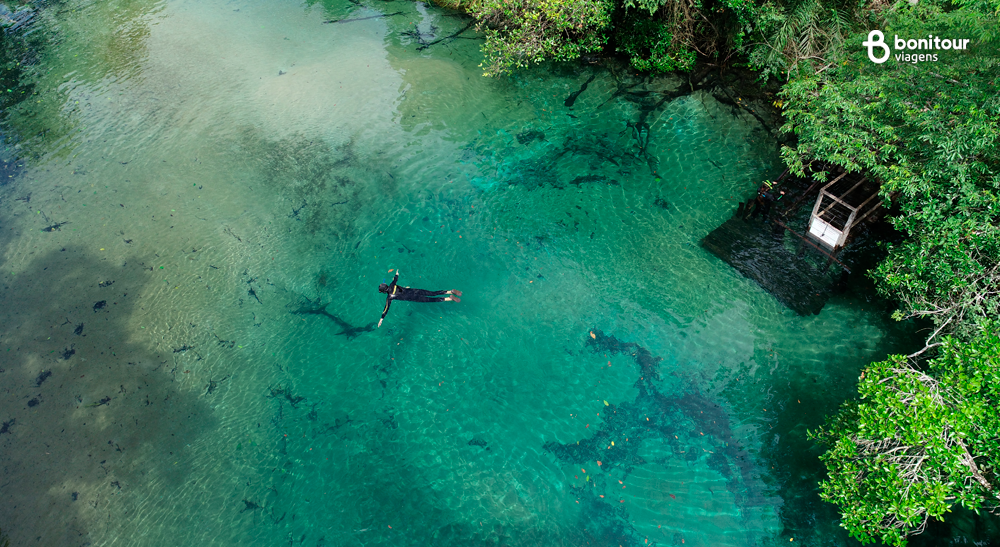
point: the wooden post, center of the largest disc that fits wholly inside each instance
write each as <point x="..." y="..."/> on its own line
<point x="795" y="205"/>
<point x="847" y="230"/>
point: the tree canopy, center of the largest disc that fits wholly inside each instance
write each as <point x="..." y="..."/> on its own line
<point x="521" y="32"/>
<point x="656" y="35"/>
<point x="919" y="440"/>
<point x="775" y="37"/>
<point x="924" y="435"/>
<point x="930" y="133"/>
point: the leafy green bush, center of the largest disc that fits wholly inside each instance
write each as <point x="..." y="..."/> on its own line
<point x="656" y="35"/>
<point x="522" y="32"/>
<point x="920" y="440"/>
<point x="917" y="442"/>
<point x="804" y="36"/>
<point x="930" y="134"/>
<point x="650" y="45"/>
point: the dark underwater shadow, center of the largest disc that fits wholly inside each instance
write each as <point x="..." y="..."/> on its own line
<point x="90" y="417"/>
<point x="346" y="329"/>
<point x="655" y="418"/>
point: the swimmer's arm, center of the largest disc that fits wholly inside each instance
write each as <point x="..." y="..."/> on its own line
<point x="388" y="300"/>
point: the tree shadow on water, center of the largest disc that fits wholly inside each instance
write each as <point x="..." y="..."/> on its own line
<point x="93" y="420"/>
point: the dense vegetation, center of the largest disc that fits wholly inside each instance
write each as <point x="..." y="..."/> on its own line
<point x="930" y="134"/>
<point x="920" y="439"/>
<point x="774" y="37"/>
<point x="924" y="434"/>
<point x="656" y="35"/>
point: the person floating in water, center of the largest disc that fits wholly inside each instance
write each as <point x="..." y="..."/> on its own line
<point x="395" y="292"/>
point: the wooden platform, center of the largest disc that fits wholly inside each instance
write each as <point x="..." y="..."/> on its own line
<point x="758" y="251"/>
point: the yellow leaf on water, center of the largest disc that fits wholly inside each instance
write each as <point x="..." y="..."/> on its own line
<point x="606" y="403"/>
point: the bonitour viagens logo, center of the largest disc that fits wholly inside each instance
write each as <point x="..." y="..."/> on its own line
<point x="932" y="43"/>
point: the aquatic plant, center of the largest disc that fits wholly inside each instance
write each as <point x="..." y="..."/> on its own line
<point x="656" y="418"/>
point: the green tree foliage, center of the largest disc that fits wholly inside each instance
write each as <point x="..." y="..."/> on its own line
<point x="921" y="439"/>
<point x="804" y="35"/>
<point x="778" y="37"/>
<point x="930" y="133"/>
<point x="918" y="441"/>
<point x="650" y="45"/>
<point x="521" y="32"/>
<point x="656" y="35"/>
<point x="662" y="36"/>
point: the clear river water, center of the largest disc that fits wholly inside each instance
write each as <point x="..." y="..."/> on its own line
<point x="201" y="200"/>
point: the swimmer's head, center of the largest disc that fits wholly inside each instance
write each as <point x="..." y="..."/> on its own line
<point x="383" y="288"/>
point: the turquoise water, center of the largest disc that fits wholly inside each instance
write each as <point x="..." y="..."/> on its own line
<point x="212" y="193"/>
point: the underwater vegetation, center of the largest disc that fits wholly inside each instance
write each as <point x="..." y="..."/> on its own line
<point x="692" y="425"/>
<point x="551" y="158"/>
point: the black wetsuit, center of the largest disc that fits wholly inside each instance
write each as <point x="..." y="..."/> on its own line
<point x="764" y="201"/>
<point x="396" y="292"/>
